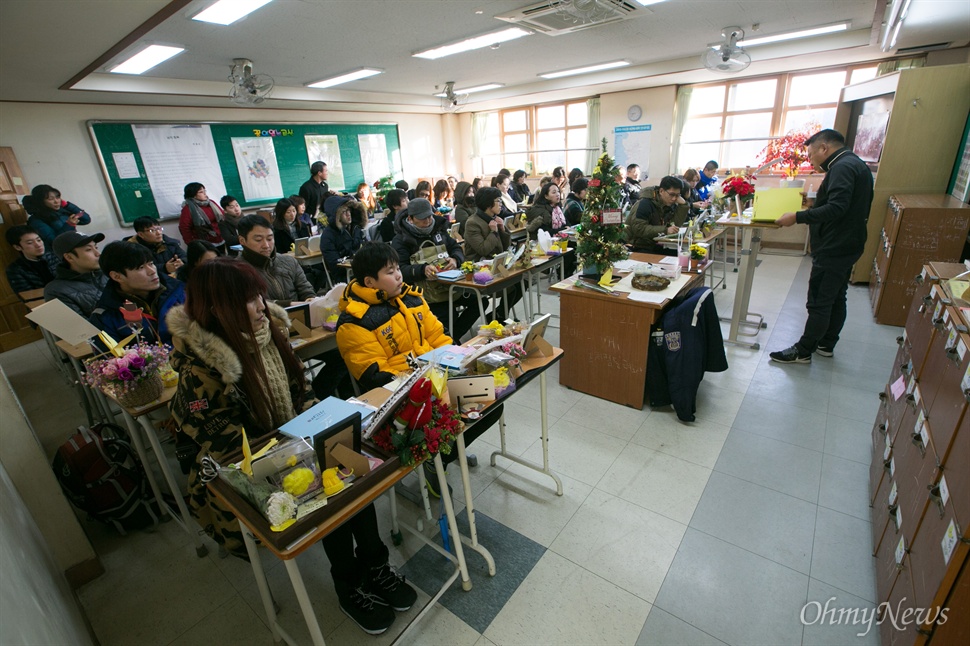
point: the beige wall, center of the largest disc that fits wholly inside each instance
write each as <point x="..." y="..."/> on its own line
<point x="658" y="111"/>
<point x="53" y="146"/>
<point x="25" y="462"/>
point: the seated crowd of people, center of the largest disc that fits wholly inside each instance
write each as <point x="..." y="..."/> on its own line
<point x="219" y="303"/>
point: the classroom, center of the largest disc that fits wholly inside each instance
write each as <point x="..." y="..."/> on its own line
<point x="756" y="523"/>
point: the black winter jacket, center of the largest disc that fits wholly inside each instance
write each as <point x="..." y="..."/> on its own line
<point x="407" y="242"/>
<point x="837" y="222"/>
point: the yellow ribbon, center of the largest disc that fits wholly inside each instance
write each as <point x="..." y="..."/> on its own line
<point x="116" y="348"/>
<point x="607" y="279"/>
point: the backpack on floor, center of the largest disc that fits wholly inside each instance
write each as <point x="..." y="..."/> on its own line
<point x="101" y="475"/>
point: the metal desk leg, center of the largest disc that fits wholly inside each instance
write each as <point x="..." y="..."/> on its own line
<point x="135" y="433"/>
<point x="472" y="540"/>
<point x="545" y="440"/>
<point x="742" y="296"/>
<point x="466" y="582"/>
<point x="88" y="402"/>
<point x="186" y="519"/>
<point x="264" y="594"/>
<point x="301" y="595"/>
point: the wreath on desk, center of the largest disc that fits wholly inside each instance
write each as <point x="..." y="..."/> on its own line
<point x="423" y="426"/>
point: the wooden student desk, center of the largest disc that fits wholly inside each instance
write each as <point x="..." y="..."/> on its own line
<point x="606" y="337"/>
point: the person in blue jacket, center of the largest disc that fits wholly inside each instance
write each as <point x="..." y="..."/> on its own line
<point x="134" y="278"/>
<point x="342" y="237"/>
<point x="51" y="216"/>
<point x="705" y="186"/>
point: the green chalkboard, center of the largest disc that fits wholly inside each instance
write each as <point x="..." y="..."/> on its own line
<point x="133" y="197"/>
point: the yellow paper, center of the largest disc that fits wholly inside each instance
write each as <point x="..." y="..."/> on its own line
<point x="117" y="349"/>
<point x="959" y="288"/>
<point x="770" y="204"/>
<point x="439" y="381"/>
<point x="247" y="463"/>
<point x="260" y="453"/>
<point x="607" y="279"/>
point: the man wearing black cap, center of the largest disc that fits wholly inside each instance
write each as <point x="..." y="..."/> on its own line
<point x="78" y="281"/>
<point x="425" y="248"/>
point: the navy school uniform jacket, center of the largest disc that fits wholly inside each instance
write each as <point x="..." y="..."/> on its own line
<point x="684" y="345"/>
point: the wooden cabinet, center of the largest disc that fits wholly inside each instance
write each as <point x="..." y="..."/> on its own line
<point x="917" y="229"/>
<point x="928" y="113"/>
<point x="920" y="473"/>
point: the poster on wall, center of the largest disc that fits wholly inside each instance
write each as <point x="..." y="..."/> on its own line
<point x="632" y="146"/>
<point x="870" y="135"/>
<point x="326" y="148"/>
<point x="373" y="157"/>
<point x="175" y="155"/>
<point x="258" y="171"/>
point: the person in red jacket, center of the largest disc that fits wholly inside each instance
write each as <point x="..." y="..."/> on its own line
<point x="200" y="216"/>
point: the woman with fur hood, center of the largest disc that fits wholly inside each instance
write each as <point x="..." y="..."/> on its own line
<point x="237" y="370"/>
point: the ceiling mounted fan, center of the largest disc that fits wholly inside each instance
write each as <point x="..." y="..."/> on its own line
<point x="451" y="101"/>
<point x="728" y="57"/>
<point x="248" y="88"/>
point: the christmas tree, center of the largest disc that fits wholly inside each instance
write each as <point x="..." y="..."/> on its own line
<point x="600" y="239"/>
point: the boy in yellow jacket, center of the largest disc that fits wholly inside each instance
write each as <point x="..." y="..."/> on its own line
<point x="383" y="319"/>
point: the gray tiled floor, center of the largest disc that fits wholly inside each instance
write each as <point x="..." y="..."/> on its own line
<point x="718" y="532"/>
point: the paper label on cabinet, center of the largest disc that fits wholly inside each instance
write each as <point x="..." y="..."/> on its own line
<point x="944" y="491"/>
<point x="887" y="450"/>
<point x="951" y="338"/>
<point x="949" y="542"/>
<point x="911" y="385"/>
<point x="898" y="518"/>
<point x="893" y="493"/>
<point x="922" y="274"/>
<point x="892" y="468"/>
<point x="946" y="315"/>
<point x="920" y="420"/>
<point x="900" y="550"/>
<point x="898" y="388"/>
<point x="961" y="349"/>
<point x="916" y="395"/>
<point x="924" y="437"/>
<point x="965" y="382"/>
<point x="937" y="310"/>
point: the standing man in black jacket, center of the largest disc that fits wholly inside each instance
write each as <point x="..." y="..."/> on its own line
<point x="837" y="223"/>
<point x="315" y="190"/>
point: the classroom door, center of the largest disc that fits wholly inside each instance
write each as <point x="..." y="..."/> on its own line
<point x="15" y="330"/>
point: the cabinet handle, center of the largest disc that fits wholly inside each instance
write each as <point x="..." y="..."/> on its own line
<point x="938" y="323"/>
<point x="953" y="355"/>
<point x="906" y="368"/>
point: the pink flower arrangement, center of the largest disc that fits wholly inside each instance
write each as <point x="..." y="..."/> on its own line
<point x="122" y="374"/>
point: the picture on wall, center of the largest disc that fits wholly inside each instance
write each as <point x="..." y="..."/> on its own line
<point x="870" y="136"/>
<point x="373" y="157"/>
<point x="326" y="148"/>
<point x="259" y="173"/>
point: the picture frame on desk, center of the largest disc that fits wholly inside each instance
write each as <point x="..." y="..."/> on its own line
<point x="345" y="433"/>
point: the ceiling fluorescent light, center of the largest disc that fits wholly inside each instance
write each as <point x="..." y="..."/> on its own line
<point x="792" y="35"/>
<point x="146" y="59"/>
<point x="477" y="42"/>
<point x="477" y="88"/>
<point x="226" y="12"/>
<point x="647" y="3"/>
<point x="584" y="70"/>
<point x="356" y="75"/>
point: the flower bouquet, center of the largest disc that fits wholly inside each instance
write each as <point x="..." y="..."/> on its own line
<point x="133" y="378"/>
<point x="424" y="426"/>
<point x="738" y="186"/>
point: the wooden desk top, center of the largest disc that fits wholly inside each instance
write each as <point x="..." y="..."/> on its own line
<point x="80" y="351"/>
<point x="31" y="295"/>
<point x="696" y="279"/>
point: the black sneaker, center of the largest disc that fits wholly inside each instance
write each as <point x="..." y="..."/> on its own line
<point x="823" y="351"/>
<point x="367" y="611"/>
<point x="389" y="588"/>
<point x="790" y="355"/>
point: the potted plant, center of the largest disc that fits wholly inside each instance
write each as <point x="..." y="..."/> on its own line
<point x="600" y="235"/>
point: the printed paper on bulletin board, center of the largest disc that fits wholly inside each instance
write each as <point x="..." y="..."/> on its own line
<point x="326" y="148"/>
<point x="258" y="171"/>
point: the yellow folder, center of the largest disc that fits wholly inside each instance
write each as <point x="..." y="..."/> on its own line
<point x="771" y="203"/>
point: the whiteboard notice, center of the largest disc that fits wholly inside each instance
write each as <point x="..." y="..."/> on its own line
<point x="259" y="173"/>
<point x="175" y="155"/>
<point x="373" y="157"/>
<point x="326" y="148"/>
<point x="633" y="147"/>
<point x="126" y="165"/>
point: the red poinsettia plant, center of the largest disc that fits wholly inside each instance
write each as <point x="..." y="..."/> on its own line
<point x="738" y="185"/>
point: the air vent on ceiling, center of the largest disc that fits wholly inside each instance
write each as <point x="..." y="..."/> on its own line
<point x="923" y="48"/>
<point x="558" y="17"/>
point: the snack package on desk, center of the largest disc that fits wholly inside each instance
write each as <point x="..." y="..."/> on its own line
<point x="292" y="467"/>
<point x="325" y="309"/>
<point x="499" y="365"/>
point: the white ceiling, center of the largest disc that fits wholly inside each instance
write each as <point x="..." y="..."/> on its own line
<point x="46" y="43"/>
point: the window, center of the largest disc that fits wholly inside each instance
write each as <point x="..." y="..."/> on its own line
<point x="732" y="122"/>
<point x="536" y="138"/>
